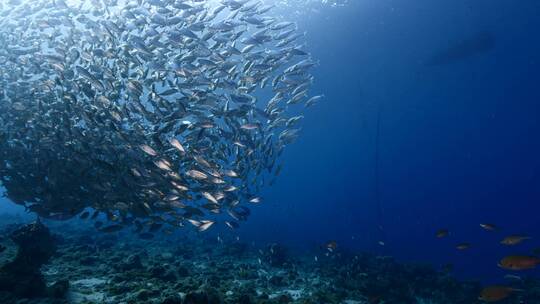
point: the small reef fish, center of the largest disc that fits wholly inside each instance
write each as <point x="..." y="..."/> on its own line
<point x="202" y="225"/>
<point x="442" y="233"/>
<point x="519" y="262"/>
<point x="512" y="277"/>
<point x="331" y="246"/>
<point x="514" y="240"/>
<point x="488" y="227"/>
<point x="463" y="246"/>
<point x="255" y="200"/>
<point x="496" y="293"/>
<point x="148" y="150"/>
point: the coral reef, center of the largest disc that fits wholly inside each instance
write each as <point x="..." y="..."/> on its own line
<point x="198" y="269"/>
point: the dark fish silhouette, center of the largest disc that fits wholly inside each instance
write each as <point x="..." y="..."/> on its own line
<point x="480" y="43"/>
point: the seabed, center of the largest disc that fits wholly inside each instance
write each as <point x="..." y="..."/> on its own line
<point x="193" y="268"/>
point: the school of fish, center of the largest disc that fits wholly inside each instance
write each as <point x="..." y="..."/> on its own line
<point x="498" y="293"/>
<point x="153" y="113"/>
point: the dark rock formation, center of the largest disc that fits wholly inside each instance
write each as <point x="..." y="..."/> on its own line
<point x="172" y="300"/>
<point x="284" y="299"/>
<point x="196" y="298"/>
<point x="276" y="255"/>
<point x="245" y="299"/>
<point x="22" y="276"/>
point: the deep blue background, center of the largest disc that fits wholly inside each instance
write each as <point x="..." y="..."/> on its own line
<point x="459" y="143"/>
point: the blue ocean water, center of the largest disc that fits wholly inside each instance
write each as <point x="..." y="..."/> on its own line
<point x="458" y="142"/>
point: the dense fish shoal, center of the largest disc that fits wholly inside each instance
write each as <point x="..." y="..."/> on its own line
<point x="152" y="113"/>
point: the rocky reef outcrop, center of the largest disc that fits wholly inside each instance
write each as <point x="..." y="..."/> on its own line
<point x="22" y="277"/>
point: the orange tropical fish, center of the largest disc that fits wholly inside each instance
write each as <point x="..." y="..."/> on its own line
<point x="496" y="293"/>
<point x="519" y="262"/>
<point x="331" y="246"/>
